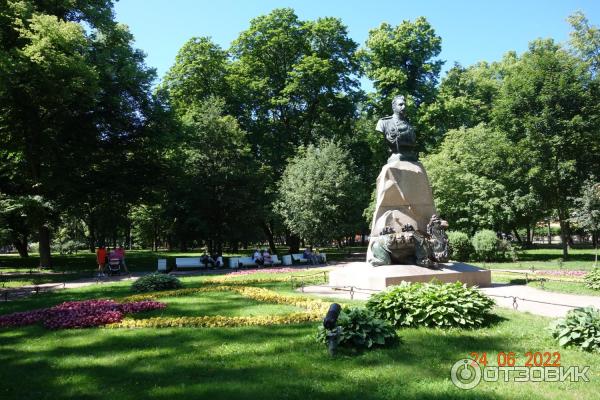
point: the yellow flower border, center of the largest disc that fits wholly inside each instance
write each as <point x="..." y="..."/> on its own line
<point x="315" y="308"/>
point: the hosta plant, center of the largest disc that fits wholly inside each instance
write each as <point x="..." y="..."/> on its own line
<point x="592" y="279"/>
<point x="154" y="282"/>
<point x="358" y="328"/>
<point x="580" y="328"/>
<point x="433" y="305"/>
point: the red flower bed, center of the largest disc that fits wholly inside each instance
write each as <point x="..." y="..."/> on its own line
<point x="79" y="314"/>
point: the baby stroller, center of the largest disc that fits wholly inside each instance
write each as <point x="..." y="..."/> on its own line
<point x="114" y="266"/>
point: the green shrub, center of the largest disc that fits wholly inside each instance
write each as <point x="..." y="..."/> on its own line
<point x="432" y="304"/>
<point x="155" y="282"/>
<point x="460" y="246"/>
<point x="359" y="329"/>
<point x="485" y="243"/>
<point x="592" y="279"/>
<point x="580" y="328"/>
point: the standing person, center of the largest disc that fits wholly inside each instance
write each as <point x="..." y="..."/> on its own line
<point x="101" y="259"/>
<point x="120" y="254"/>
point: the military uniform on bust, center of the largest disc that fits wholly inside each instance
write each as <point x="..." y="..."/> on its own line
<point x="399" y="134"/>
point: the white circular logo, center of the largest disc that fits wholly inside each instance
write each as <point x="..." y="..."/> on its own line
<point x="465" y="374"/>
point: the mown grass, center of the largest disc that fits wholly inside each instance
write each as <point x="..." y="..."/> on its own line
<point x="580" y="258"/>
<point x="551" y="284"/>
<point x="270" y="363"/>
<point x="260" y="362"/>
<point x="216" y="303"/>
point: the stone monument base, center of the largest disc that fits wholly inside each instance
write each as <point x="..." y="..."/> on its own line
<point x="362" y="275"/>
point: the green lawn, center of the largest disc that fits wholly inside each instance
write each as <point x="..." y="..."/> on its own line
<point x="550" y="284"/>
<point x="216" y="303"/>
<point x="259" y="362"/>
<point x="547" y="258"/>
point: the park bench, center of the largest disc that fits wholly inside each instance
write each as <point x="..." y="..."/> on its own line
<point x="188" y="262"/>
<point x="299" y="258"/>
<point x="236" y="262"/>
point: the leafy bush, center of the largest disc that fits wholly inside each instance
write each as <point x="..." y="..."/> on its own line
<point x="359" y="328"/>
<point x="432" y="304"/>
<point x="592" y="279"/>
<point x="486" y="245"/>
<point x="154" y="282"/>
<point x="460" y="246"/>
<point x="580" y="328"/>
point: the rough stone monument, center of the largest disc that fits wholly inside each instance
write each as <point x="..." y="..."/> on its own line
<point x="408" y="240"/>
<point x="405" y="228"/>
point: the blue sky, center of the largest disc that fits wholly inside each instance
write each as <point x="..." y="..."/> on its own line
<point x="471" y="31"/>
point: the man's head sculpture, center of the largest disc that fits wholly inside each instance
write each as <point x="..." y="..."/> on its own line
<point x="398" y="105"/>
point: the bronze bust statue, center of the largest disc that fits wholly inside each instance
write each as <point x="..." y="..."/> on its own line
<point x="399" y="134"/>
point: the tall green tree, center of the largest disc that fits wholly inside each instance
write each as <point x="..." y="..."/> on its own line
<point x="480" y="179"/>
<point x="293" y="83"/>
<point x="199" y="72"/>
<point x="465" y="99"/>
<point x="320" y="197"/>
<point x="586" y="211"/>
<point x="214" y="198"/>
<point x="403" y="60"/>
<point x="543" y="106"/>
<point x="71" y="97"/>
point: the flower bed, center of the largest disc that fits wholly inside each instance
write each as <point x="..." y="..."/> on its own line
<point x="265" y="271"/>
<point x="218" y="321"/>
<point x="576" y="274"/>
<point x="315" y="309"/>
<point x="78" y="314"/>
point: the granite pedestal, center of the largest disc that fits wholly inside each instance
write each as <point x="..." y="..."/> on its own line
<point x="362" y="275"/>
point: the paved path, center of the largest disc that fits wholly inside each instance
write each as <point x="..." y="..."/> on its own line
<point x="533" y="300"/>
<point x="538" y="301"/>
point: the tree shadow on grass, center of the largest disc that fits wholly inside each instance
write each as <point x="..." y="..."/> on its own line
<point x="267" y="363"/>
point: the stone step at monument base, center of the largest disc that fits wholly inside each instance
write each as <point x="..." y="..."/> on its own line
<point x="364" y="276"/>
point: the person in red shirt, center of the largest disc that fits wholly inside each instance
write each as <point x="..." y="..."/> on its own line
<point x="101" y="258"/>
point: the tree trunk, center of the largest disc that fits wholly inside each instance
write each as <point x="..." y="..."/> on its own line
<point x="269" y="233"/>
<point x="21" y="246"/>
<point x="518" y="236"/>
<point x="564" y="234"/>
<point x="44" y="240"/>
<point x="595" y="243"/>
<point x="293" y="243"/>
<point x="128" y="242"/>
<point x="549" y="233"/>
